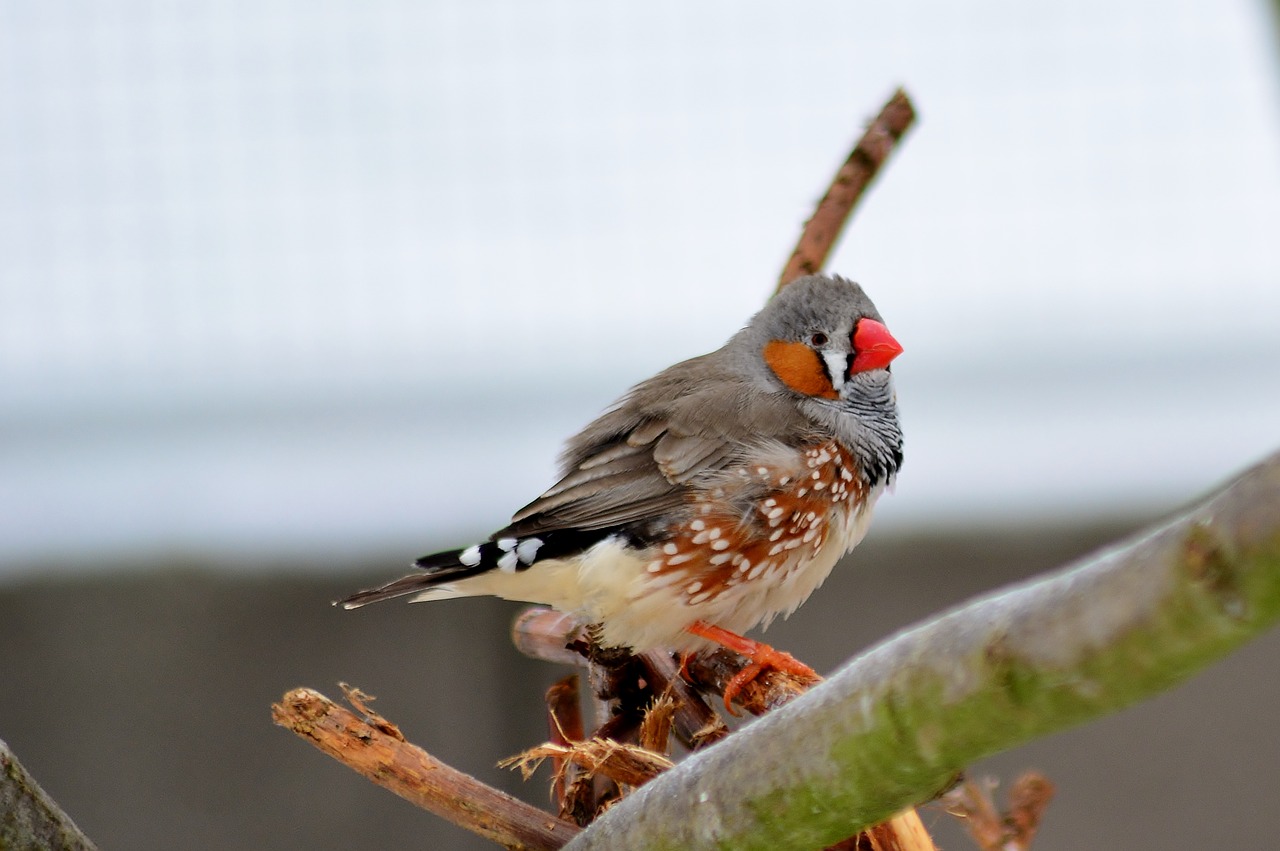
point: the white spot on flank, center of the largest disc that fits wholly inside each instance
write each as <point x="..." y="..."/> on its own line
<point x="719" y="558"/>
<point x="714" y="533"/>
<point x="784" y="480"/>
<point x="744" y="567"/>
<point x="694" y="587"/>
<point x="507" y="564"/>
<point x="470" y="557"/>
<point x="757" y="570"/>
<point x="720" y="544"/>
<point x="680" y="559"/>
<point x="775" y="512"/>
<point x="698" y="525"/>
<point x="776" y="535"/>
<point x="670" y="548"/>
<point x="527" y="550"/>
<point x="763" y="471"/>
<point x="654" y="566"/>
<point x="700" y="598"/>
<point x="701" y="538"/>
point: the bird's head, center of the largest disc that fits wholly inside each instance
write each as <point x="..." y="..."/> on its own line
<point x="819" y="335"/>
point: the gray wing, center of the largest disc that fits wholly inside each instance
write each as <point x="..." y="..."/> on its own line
<point x="640" y="459"/>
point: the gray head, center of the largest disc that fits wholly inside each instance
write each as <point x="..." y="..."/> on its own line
<point x="816" y="337"/>
<point x="822" y="343"/>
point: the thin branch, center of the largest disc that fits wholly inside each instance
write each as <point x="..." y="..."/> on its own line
<point x="375" y="748"/>
<point x="895" y="726"/>
<point x="29" y="818"/>
<point x="772" y="689"/>
<point x="824" y="227"/>
<point x="546" y="634"/>
<point x="564" y="726"/>
<point x="622" y="763"/>
<point x="1012" y="830"/>
<point x="696" y="724"/>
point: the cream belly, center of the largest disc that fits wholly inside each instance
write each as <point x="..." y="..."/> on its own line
<point x="610" y="585"/>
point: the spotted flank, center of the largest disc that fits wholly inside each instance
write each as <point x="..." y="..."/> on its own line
<point x="787" y="525"/>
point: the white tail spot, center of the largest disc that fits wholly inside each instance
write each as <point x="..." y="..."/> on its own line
<point x="527" y="550"/>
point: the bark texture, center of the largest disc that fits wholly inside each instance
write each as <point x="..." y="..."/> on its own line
<point x="895" y="726"/>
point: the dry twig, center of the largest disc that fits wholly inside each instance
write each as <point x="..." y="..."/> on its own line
<point x="824" y="227"/>
<point x="564" y="723"/>
<point x="375" y="748"/>
<point x="1012" y="830"/>
<point x="622" y="763"/>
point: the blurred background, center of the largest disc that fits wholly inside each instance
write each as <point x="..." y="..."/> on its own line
<point x="291" y="293"/>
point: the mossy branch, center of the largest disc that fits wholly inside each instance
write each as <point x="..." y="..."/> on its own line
<point x="896" y="725"/>
<point x="28" y="817"/>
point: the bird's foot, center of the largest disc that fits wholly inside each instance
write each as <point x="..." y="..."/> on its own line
<point x="763" y="658"/>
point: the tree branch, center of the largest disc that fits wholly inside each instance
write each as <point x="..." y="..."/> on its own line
<point x="832" y="213"/>
<point x="28" y="817"/>
<point x="895" y="726"/>
<point x="375" y="748"/>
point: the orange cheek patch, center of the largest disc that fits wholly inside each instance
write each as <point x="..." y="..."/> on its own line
<point x="798" y="367"/>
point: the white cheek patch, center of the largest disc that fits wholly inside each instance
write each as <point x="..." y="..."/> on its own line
<point x="837" y="365"/>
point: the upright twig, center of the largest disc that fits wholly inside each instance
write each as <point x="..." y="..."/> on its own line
<point x="832" y="214"/>
<point x="564" y="727"/>
<point x="992" y="830"/>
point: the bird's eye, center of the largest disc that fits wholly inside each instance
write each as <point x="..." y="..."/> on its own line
<point x="818" y="339"/>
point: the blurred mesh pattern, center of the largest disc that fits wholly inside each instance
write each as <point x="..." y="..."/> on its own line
<point x="227" y="206"/>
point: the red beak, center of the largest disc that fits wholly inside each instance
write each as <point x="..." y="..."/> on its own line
<point x="873" y="346"/>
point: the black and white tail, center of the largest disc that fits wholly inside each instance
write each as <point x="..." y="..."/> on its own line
<point x="441" y="573"/>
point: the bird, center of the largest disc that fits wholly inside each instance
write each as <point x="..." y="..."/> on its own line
<point x="710" y="498"/>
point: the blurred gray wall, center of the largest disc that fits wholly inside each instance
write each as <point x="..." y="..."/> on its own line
<point x="142" y="704"/>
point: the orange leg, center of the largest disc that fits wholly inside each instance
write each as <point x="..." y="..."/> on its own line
<point x="762" y="656"/>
